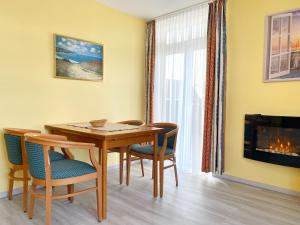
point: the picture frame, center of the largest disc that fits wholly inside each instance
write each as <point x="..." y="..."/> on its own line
<point x="282" y="46"/>
<point x="77" y="59"/>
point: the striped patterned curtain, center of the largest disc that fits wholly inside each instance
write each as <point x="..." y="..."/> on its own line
<point x="214" y="117"/>
<point x="149" y="73"/>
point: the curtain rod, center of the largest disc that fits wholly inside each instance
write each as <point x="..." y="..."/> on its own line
<point x="176" y="11"/>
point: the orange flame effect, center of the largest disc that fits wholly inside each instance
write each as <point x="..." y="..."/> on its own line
<point x="281" y="146"/>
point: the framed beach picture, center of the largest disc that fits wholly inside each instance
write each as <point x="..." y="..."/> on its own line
<point x="78" y="59"/>
<point x="282" y="54"/>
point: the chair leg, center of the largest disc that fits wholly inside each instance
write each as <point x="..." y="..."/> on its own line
<point x="121" y="166"/>
<point x="99" y="198"/>
<point x="11" y="184"/>
<point x="48" y="205"/>
<point x="70" y="190"/>
<point x="161" y="177"/>
<point x="128" y="164"/>
<point x="25" y="188"/>
<point x="32" y="199"/>
<point x="142" y="167"/>
<point x="152" y="173"/>
<point x="175" y="171"/>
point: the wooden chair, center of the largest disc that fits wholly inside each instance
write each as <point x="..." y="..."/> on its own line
<point x="122" y="151"/>
<point x="166" y="150"/>
<point x="68" y="171"/>
<point x="14" y="140"/>
<point x="15" y="145"/>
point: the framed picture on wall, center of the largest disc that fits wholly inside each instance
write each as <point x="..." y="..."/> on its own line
<point x="78" y="59"/>
<point x="282" y="53"/>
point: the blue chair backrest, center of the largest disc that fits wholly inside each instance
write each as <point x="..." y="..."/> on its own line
<point x="161" y="136"/>
<point x="14" y="150"/>
<point x="35" y="157"/>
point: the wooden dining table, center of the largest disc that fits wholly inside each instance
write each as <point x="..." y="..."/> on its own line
<point x="105" y="140"/>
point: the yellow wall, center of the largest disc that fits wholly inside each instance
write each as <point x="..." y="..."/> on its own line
<point x="29" y="95"/>
<point x="246" y="92"/>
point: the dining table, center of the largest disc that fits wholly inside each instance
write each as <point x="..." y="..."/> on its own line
<point x="112" y="135"/>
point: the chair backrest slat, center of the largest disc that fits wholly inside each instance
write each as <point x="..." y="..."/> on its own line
<point x="133" y="122"/>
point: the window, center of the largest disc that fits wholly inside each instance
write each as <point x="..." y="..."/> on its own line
<point x="280" y="45"/>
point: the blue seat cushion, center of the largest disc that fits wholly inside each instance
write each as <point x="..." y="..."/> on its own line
<point x="148" y="149"/>
<point x="60" y="167"/>
<point x="55" y="156"/>
<point x="66" y="168"/>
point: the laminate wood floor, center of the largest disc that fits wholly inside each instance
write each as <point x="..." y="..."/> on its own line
<point x="198" y="200"/>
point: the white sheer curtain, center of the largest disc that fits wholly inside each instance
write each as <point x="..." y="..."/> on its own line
<point x="179" y="81"/>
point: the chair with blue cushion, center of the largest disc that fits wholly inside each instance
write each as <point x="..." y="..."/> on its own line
<point x="166" y="142"/>
<point x="122" y="151"/>
<point x="68" y="171"/>
<point x="14" y="140"/>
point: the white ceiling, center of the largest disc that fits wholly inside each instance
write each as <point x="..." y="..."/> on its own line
<point x="148" y="9"/>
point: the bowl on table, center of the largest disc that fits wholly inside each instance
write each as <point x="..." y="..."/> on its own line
<point x="98" y="123"/>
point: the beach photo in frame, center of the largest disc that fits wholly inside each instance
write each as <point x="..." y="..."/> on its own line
<point x="282" y="52"/>
<point x="78" y="59"/>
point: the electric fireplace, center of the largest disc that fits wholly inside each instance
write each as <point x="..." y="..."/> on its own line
<point x="272" y="139"/>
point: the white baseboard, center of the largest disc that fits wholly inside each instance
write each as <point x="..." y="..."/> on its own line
<point x="16" y="191"/>
<point x="258" y="185"/>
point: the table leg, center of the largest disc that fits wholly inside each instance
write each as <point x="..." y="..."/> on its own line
<point x="103" y="155"/>
<point x="155" y="187"/>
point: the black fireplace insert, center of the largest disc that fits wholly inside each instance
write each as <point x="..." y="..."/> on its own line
<point x="272" y="139"/>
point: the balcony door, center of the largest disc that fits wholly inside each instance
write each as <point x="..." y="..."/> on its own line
<point x="179" y="81"/>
